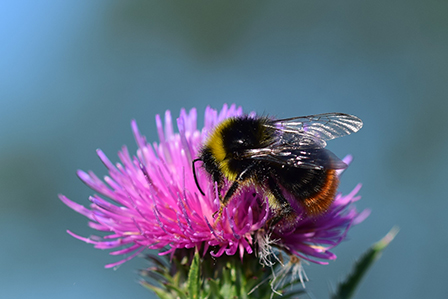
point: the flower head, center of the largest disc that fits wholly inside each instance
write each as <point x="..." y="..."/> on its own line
<point x="150" y="200"/>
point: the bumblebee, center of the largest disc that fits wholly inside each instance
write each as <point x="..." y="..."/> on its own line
<point x="285" y="158"/>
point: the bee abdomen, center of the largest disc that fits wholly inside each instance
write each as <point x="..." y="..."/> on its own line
<point x="319" y="202"/>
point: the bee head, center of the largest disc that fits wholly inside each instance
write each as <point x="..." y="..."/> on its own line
<point x="240" y="135"/>
<point x="233" y="137"/>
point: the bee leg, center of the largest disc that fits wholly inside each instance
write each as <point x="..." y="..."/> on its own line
<point x="219" y="212"/>
<point x="246" y="173"/>
<point x="233" y="188"/>
<point x="283" y="208"/>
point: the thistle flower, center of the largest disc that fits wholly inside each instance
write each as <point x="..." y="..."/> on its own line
<point x="150" y="200"/>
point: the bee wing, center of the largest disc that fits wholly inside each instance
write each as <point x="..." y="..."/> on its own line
<point x="308" y="159"/>
<point x="301" y="140"/>
<point x="314" y="130"/>
<point x="311" y="158"/>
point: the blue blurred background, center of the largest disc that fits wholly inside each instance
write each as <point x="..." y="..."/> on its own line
<point x="74" y="73"/>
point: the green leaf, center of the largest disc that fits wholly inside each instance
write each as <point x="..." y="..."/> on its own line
<point x="156" y="275"/>
<point x="214" y="290"/>
<point x="347" y="289"/>
<point x="179" y="292"/>
<point x="159" y="262"/>
<point x="161" y="293"/>
<point x="193" y="278"/>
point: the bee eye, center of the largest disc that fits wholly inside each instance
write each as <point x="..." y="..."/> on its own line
<point x="241" y="143"/>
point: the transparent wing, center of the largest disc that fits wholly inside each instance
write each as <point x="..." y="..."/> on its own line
<point x="301" y="140"/>
<point x="316" y="158"/>
<point x="316" y="129"/>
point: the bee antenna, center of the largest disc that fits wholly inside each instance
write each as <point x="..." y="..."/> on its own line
<point x="195" y="176"/>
